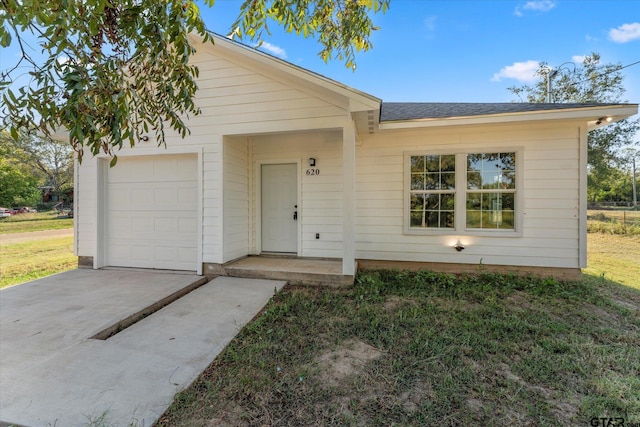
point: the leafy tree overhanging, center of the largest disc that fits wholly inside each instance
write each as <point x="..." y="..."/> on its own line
<point x="590" y="82"/>
<point x="114" y="71"/>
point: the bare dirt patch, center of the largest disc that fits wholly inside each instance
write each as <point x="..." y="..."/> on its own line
<point x="630" y="304"/>
<point x="347" y="360"/>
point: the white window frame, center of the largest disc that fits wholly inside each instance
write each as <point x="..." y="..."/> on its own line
<point x="460" y="207"/>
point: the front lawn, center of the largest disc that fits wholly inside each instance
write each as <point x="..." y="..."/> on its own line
<point x="428" y="349"/>
<point x="22" y="262"/>
<point x="40" y="221"/>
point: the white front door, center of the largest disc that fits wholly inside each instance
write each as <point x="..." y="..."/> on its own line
<point x="280" y="208"/>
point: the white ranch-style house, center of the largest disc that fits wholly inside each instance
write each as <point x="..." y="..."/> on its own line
<point x="284" y="161"/>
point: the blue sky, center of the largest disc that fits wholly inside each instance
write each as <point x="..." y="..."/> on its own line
<point x="467" y="50"/>
<point x="462" y="50"/>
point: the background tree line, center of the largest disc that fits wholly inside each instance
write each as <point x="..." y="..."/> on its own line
<point x="611" y="148"/>
<point x="31" y="166"/>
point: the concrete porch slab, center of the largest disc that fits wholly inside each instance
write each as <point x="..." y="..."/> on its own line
<point x="52" y="373"/>
<point x="310" y="271"/>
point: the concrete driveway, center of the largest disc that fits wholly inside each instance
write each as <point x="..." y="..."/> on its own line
<point x="52" y="373"/>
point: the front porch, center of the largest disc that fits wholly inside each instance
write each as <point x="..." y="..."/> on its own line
<point x="307" y="271"/>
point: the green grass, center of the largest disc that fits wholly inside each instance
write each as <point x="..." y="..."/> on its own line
<point x="614" y="257"/>
<point x="22" y="262"/>
<point x="39" y="221"/>
<point x="427" y="349"/>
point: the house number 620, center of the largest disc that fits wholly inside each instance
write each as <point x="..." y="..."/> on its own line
<point x="313" y="171"/>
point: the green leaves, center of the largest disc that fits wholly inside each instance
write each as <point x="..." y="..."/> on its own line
<point x="115" y="70"/>
<point x="590" y="82"/>
<point x="342" y="27"/>
<point x="112" y="71"/>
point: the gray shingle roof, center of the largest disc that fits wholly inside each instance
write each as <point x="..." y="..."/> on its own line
<point x="397" y="111"/>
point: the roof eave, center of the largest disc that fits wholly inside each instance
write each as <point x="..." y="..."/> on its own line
<point x="591" y="114"/>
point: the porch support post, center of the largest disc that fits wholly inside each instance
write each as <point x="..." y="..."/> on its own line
<point x="348" y="203"/>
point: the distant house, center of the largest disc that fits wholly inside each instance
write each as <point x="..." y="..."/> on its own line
<point x="286" y="161"/>
<point x="50" y="195"/>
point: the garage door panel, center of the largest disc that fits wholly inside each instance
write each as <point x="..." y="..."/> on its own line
<point x="187" y="225"/>
<point x="188" y="197"/>
<point x="152" y="212"/>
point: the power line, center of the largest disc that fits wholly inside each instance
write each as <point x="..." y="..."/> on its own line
<point x="611" y="71"/>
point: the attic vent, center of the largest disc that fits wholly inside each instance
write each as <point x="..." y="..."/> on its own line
<point x="370" y="121"/>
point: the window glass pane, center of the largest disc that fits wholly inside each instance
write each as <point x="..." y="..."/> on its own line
<point x="491" y="210"/>
<point x="474" y="162"/>
<point x="433" y="173"/>
<point x="417" y="181"/>
<point x="508" y="180"/>
<point x="508" y="161"/>
<point x="417" y="219"/>
<point x="432" y="163"/>
<point x="432" y="201"/>
<point x="446" y="219"/>
<point x="508" y="202"/>
<point x="448" y="181"/>
<point x="507" y="220"/>
<point x="474" y="201"/>
<point x="416" y="202"/>
<point x="491" y="171"/>
<point x="417" y="163"/>
<point x="447" y="201"/>
<point x="474" y="180"/>
<point x="432" y="219"/>
<point x="474" y="219"/>
<point x="448" y="163"/>
<point x="431" y="181"/>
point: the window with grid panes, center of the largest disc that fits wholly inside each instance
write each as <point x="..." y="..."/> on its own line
<point x="432" y="192"/>
<point x="491" y="191"/>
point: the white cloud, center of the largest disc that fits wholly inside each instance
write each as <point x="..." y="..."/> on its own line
<point x="625" y="33"/>
<point x="430" y="22"/>
<point x="273" y="49"/>
<point x="578" y="58"/>
<point x="522" y="71"/>
<point x="430" y="26"/>
<point x="537" y="6"/>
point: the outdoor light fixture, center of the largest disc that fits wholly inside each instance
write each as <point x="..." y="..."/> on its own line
<point x="312" y="161"/>
<point x="144" y="138"/>
<point x="458" y="246"/>
<point x="603" y="119"/>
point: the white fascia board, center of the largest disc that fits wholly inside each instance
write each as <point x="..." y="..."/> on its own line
<point x="358" y="100"/>
<point x="591" y="114"/>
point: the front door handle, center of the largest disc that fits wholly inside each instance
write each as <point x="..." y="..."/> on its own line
<point x="295" y="216"/>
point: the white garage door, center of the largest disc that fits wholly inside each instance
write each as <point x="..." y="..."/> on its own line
<point x="151" y="212"/>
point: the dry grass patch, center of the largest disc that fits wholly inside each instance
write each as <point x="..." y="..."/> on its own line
<point x="40" y="221"/>
<point x="22" y="262"/>
<point x="614" y="257"/>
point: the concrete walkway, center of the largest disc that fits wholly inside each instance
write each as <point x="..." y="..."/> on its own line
<point x="53" y="374"/>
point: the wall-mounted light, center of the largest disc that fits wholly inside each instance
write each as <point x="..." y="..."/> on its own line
<point x="312" y="161"/>
<point x="458" y="246"/>
<point x="144" y="138"/>
<point x="603" y="119"/>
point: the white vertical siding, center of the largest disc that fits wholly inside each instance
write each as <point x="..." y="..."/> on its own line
<point x="86" y="201"/>
<point x="550" y="211"/>
<point x="236" y="198"/>
<point x="212" y="203"/>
